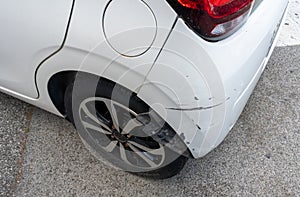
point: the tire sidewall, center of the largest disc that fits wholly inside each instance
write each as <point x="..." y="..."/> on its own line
<point x="86" y="87"/>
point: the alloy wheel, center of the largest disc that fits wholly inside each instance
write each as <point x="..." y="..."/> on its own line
<point x="118" y="130"/>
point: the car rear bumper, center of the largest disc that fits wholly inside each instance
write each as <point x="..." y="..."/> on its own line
<point x="204" y="86"/>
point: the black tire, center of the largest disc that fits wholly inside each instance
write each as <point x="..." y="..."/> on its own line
<point x="146" y="150"/>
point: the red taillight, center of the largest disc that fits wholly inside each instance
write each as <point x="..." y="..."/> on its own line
<point x="213" y="19"/>
<point x="189" y="4"/>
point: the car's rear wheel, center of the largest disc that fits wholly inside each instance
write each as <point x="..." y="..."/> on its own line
<point x="120" y="128"/>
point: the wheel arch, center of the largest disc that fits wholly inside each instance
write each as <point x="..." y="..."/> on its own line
<point x="58" y="84"/>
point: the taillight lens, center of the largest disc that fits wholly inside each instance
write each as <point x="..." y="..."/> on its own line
<point x="213" y="19"/>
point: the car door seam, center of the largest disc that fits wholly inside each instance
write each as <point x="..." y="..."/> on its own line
<point x="55" y="52"/>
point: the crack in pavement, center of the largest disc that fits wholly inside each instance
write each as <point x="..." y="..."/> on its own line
<point x="22" y="150"/>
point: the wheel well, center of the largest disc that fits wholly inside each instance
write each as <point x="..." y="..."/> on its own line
<point x="57" y="86"/>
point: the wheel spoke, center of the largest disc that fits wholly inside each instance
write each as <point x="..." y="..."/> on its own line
<point x="123" y="154"/>
<point x="132" y="123"/>
<point x="94" y="118"/>
<point x="159" y="151"/>
<point x="143" y="151"/>
<point x="113" y="113"/>
<point x="111" y="146"/>
<point x="143" y="156"/>
<point x="95" y="128"/>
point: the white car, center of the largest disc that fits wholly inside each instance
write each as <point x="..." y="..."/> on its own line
<point x="147" y="83"/>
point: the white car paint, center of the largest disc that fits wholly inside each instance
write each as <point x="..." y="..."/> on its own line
<point x="216" y="78"/>
<point x="192" y="83"/>
<point x="30" y="31"/>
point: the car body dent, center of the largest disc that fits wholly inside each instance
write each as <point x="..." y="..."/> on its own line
<point x="195" y="90"/>
<point x="189" y="82"/>
<point x="203" y="94"/>
<point x="235" y="73"/>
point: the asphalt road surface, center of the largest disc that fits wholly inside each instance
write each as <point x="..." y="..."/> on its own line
<point x="42" y="155"/>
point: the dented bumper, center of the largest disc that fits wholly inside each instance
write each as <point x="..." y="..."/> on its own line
<point x="200" y="88"/>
